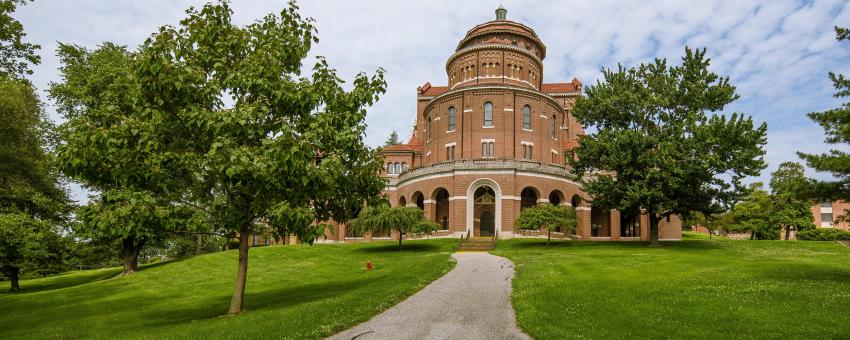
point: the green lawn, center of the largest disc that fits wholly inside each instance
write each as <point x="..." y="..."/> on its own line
<point x="696" y="288"/>
<point x="292" y="292"/>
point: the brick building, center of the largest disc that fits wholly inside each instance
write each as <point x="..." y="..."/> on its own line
<point x="827" y="214"/>
<point x="495" y="140"/>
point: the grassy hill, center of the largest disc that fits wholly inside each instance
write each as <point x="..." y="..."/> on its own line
<point x="701" y="288"/>
<point x="292" y="292"/>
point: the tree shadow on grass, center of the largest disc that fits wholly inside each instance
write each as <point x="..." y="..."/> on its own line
<point x="417" y="247"/>
<point x="282" y="297"/>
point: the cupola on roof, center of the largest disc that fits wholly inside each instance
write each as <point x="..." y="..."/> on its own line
<point x="503" y="32"/>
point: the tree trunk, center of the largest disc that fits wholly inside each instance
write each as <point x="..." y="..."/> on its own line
<point x="241" y="273"/>
<point x="200" y="245"/>
<point x="549" y="238"/>
<point x="653" y="229"/>
<point x="400" y="236"/>
<point x="787" y="233"/>
<point x="14" y="278"/>
<point x="131" y="247"/>
<point x="752" y="234"/>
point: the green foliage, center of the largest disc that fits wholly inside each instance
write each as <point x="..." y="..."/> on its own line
<point x="790" y="208"/>
<point x="823" y="234"/>
<point x="392" y="139"/>
<point x="34" y="206"/>
<point x="549" y="217"/>
<point x="29" y="245"/>
<point x="660" y="146"/>
<point x="15" y="54"/>
<point x="755" y="214"/>
<point x="836" y="124"/>
<point x="402" y="220"/>
<point x="712" y="222"/>
<point x="219" y="119"/>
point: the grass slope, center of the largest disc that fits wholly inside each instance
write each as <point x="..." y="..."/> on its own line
<point x="690" y="289"/>
<point x="292" y="292"/>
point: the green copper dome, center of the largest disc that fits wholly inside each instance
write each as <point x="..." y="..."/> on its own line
<point x="501" y="13"/>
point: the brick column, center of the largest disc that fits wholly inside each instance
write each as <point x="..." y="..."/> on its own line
<point x="430" y="206"/>
<point x="583" y="214"/>
<point x="340" y="232"/>
<point x="644" y="226"/>
<point x="615" y="224"/>
<point x="457" y="215"/>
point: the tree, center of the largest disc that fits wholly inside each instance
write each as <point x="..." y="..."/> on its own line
<point x="402" y="220"/>
<point x="836" y="124"/>
<point x="755" y="214"/>
<point x="27" y="244"/>
<point x="253" y="140"/>
<point x="110" y="148"/>
<point x="34" y="205"/>
<point x="660" y="146"/>
<point x="549" y="217"/>
<point x="15" y="54"/>
<point x="392" y="139"/>
<point x="790" y="210"/>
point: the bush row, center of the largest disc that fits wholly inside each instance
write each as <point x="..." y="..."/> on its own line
<point x="823" y="235"/>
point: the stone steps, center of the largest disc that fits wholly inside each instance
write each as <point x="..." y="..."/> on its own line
<point x="476" y="244"/>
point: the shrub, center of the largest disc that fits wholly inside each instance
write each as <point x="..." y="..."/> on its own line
<point x="823" y="235"/>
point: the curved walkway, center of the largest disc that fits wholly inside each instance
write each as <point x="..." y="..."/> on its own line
<point x="472" y="301"/>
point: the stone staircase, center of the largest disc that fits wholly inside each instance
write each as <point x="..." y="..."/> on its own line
<point x="486" y="243"/>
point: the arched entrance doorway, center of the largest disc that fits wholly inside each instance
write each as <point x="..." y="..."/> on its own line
<point x="402" y="202"/>
<point x="485" y="206"/>
<point x="492" y="203"/>
<point x="441" y="208"/>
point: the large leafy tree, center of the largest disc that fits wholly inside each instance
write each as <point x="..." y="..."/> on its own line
<point x="659" y="144"/>
<point x="33" y="202"/>
<point x="836" y="124"/>
<point x="754" y="214"/>
<point x="253" y="138"/>
<point x="790" y="210"/>
<point x="402" y="220"/>
<point x="110" y="148"/>
<point x="15" y="54"/>
<point x="549" y="217"/>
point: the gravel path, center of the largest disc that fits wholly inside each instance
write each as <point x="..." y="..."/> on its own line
<point x="472" y="301"/>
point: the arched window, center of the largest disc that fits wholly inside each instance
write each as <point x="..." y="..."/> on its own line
<point x="554" y="127"/>
<point x="397" y="168"/>
<point x="389" y="168"/>
<point x="403" y="166"/>
<point x="452" y="112"/>
<point x="428" y="129"/>
<point x="526" y="117"/>
<point x="488" y="114"/>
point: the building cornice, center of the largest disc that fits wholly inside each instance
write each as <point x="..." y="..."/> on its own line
<point x="523" y="90"/>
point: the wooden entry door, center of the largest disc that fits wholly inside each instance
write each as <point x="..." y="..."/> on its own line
<point x="488" y="224"/>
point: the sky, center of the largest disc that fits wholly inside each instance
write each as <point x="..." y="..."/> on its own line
<point x="776" y="52"/>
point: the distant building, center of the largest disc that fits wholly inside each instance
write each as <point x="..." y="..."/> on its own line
<point x="495" y="141"/>
<point x="826" y="214"/>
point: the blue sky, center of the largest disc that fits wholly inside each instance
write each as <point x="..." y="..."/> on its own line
<point x="776" y="52"/>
